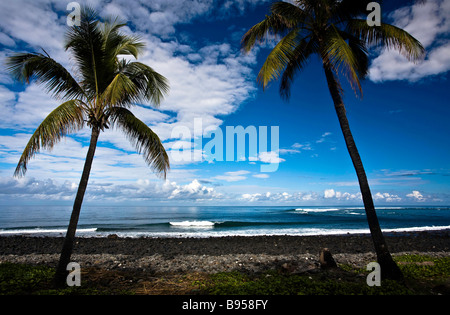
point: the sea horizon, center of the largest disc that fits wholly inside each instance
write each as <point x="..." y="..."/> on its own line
<point x="217" y="221"/>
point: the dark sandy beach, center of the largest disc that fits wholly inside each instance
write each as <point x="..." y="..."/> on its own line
<point x="252" y="254"/>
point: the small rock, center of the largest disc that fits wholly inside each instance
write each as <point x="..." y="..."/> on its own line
<point x="326" y="259"/>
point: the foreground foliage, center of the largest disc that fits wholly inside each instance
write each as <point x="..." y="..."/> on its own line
<point x="423" y="275"/>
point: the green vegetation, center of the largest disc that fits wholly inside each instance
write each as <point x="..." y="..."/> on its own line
<point x="424" y="267"/>
<point x="274" y="283"/>
<point x="424" y="275"/>
<point x="21" y="279"/>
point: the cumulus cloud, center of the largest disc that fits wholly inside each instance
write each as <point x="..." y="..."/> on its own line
<point x="222" y="79"/>
<point x="207" y="80"/>
<point x="386" y="197"/>
<point x="28" y="107"/>
<point x="270" y="157"/>
<point x="331" y="193"/>
<point x="416" y="195"/>
<point x="429" y="23"/>
<point x="233" y="176"/>
<point x="280" y="197"/>
<point x="192" y="191"/>
<point x="261" y="175"/>
<point x="197" y="190"/>
<point x="38" y="190"/>
<point x="33" y="21"/>
<point x="161" y="16"/>
<point x="218" y="72"/>
<point x="29" y="188"/>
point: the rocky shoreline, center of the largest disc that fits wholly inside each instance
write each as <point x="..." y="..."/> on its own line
<point x="249" y="254"/>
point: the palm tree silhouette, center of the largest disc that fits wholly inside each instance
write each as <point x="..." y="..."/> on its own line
<point x="107" y="87"/>
<point x="333" y="30"/>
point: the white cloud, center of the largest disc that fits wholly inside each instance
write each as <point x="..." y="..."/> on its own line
<point x="31" y="189"/>
<point x="211" y="86"/>
<point x="306" y="146"/>
<point x="386" y="197"/>
<point x="270" y="157"/>
<point x="6" y="96"/>
<point x="416" y="195"/>
<point x="279" y="197"/>
<point x="31" y="107"/>
<point x="289" y="151"/>
<point x="33" y="22"/>
<point x="161" y="16"/>
<point x="263" y="197"/>
<point x="323" y="137"/>
<point x="429" y="23"/>
<point x="145" y="188"/>
<point x="192" y="191"/>
<point x="233" y="176"/>
<point x="300" y="147"/>
<point x="261" y="175"/>
<point x="222" y="80"/>
<point x="219" y="73"/>
<point x="331" y="193"/>
<point x="6" y="40"/>
<point x="142" y="189"/>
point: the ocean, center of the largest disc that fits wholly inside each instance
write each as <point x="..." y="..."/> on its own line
<point x="208" y="221"/>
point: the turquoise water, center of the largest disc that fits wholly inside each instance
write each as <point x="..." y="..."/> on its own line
<point x="205" y="221"/>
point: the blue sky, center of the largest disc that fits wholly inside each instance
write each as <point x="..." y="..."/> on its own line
<point x="400" y="126"/>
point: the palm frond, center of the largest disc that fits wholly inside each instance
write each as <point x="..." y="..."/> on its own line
<point x="86" y="44"/>
<point x="26" y="67"/>
<point x="143" y="138"/>
<point x="278" y="58"/>
<point x="150" y="85"/>
<point x="361" y="53"/>
<point x="292" y="15"/>
<point x="388" y="36"/>
<point x="116" y="43"/>
<point x="65" y="119"/>
<point x="340" y="56"/>
<point x="120" y="91"/>
<point x="270" y="26"/>
<point x="297" y="62"/>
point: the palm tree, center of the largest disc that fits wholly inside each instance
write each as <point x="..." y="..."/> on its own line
<point x="335" y="31"/>
<point x="100" y="98"/>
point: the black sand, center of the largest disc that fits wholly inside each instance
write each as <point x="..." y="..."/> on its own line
<point x="433" y="241"/>
<point x="252" y="254"/>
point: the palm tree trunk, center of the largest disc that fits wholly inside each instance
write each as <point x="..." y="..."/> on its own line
<point x="389" y="269"/>
<point x="66" y="252"/>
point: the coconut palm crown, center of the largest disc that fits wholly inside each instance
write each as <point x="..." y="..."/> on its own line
<point x="99" y="96"/>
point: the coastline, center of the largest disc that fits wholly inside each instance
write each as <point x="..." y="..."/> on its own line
<point x="216" y="254"/>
